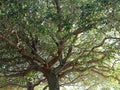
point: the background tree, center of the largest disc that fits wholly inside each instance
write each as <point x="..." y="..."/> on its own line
<point x="28" y="82"/>
<point x="63" y="40"/>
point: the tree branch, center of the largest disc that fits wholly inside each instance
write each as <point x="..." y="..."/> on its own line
<point x="13" y="84"/>
<point x="24" y="53"/>
<point x="57" y="4"/>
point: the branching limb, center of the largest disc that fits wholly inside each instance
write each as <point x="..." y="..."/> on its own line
<point x="45" y="87"/>
<point x="57" y="4"/>
<point x="16" y="35"/>
<point x="24" y="53"/>
<point x="13" y="84"/>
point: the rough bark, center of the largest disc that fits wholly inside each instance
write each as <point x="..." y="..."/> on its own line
<point x="30" y="86"/>
<point x="53" y="82"/>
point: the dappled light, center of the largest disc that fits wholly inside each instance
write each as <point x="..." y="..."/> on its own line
<point x="59" y="44"/>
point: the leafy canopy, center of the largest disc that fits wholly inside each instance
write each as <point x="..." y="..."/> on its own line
<point x="75" y="38"/>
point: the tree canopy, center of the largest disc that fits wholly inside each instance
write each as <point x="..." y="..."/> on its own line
<point x="62" y="42"/>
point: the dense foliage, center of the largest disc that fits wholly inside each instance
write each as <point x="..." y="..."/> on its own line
<point x="60" y="41"/>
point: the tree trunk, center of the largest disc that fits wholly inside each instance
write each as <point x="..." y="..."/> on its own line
<point x="53" y="82"/>
<point x="30" y="86"/>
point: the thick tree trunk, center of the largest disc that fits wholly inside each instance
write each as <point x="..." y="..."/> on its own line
<point x="30" y="86"/>
<point x="53" y="82"/>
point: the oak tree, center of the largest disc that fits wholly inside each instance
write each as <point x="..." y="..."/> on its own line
<point x="67" y="41"/>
